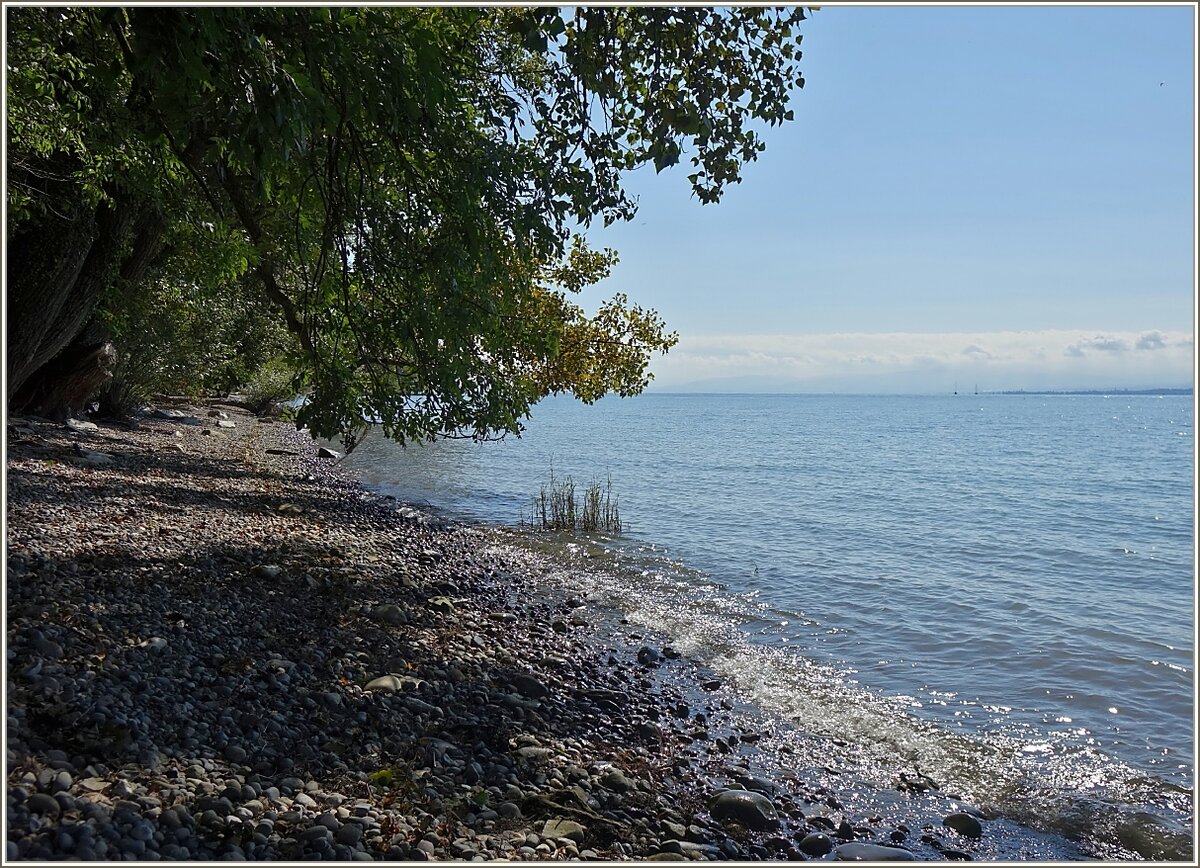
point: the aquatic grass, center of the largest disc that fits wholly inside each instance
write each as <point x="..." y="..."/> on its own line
<point x="555" y="507"/>
<point x="601" y="509"/>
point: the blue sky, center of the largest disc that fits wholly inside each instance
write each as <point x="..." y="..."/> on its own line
<point x="992" y="194"/>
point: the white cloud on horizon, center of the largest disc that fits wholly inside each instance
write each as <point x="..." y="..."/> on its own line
<point x="900" y="361"/>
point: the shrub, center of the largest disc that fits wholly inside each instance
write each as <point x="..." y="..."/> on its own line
<point x="269" y="385"/>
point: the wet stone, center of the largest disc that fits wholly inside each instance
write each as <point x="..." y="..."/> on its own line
<point x="753" y="810"/>
<point x="964" y="824"/>
<point x="859" y="852"/>
<point x="816" y="844"/>
<point x="648" y="656"/>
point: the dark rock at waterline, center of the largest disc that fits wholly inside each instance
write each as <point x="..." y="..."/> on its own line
<point x="918" y="783"/>
<point x="778" y="843"/>
<point x="324" y="452"/>
<point x="649" y="732"/>
<point x="753" y="810"/>
<point x="964" y="824"/>
<point x="648" y="656"/>
<point x="816" y="844"/>
<point x="859" y="852"/>
<point x="758" y="785"/>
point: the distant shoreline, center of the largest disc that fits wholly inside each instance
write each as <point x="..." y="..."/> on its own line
<point x="1091" y="392"/>
<point x="965" y="393"/>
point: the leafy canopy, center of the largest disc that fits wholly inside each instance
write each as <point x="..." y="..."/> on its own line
<point x="406" y="185"/>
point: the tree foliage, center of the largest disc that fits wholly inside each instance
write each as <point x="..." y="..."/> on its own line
<point x="404" y="186"/>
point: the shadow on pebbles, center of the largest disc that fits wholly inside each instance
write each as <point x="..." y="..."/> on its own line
<point x="220" y="649"/>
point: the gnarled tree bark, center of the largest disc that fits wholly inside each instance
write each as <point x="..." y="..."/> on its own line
<point x="67" y="382"/>
<point x="44" y="313"/>
<point x="56" y="276"/>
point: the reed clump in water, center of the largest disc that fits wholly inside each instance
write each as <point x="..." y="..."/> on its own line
<point x="555" y="507"/>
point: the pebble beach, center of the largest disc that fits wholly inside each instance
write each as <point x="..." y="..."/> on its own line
<point x="220" y="648"/>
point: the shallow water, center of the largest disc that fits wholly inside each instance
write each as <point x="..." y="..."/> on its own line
<point x="996" y="589"/>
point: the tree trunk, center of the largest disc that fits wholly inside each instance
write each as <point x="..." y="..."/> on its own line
<point x="63" y="387"/>
<point x="44" y="266"/>
<point x="53" y="291"/>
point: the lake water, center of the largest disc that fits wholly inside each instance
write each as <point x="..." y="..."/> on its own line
<point x="997" y="589"/>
